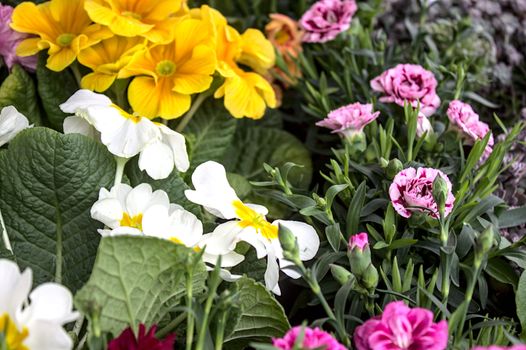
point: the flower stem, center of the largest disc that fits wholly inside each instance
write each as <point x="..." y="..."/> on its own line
<point x="190" y="322"/>
<point x="208" y="307"/>
<point x="190" y="114"/>
<point x="220" y="331"/>
<point x="171" y="326"/>
<point x="76" y="72"/>
<point x="119" y="171"/>
<point x="445" y="258"/>
<point x="5" y="237"/>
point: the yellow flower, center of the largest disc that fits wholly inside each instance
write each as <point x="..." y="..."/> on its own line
<point x="62" y="27"/>
<point x="106" y="59"/>
<point x="152" y="19"/>
<point x="247" y="94"/>
<point x="168" y="74"/>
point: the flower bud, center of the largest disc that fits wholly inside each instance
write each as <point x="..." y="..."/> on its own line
<point x="288" y="243"/>
<point x="360" y="241"/>
<point x="440" y="192"/>
<point x="359" y="254"/>
<point x="393" y="168"/>
<point x="484" y="244"/>
<point x="383" y="162"/>
<point x="370" y="277"/>
<point x="341" y="274"/>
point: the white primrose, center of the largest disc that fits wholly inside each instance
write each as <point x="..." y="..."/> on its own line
<point x="35" y="323"/>
<point x="247" y="223"/>
<point x="126" y="135"/>
<point x="11" y="123"/>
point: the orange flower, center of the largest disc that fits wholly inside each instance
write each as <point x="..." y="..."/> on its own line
<point x="285" y="34"/>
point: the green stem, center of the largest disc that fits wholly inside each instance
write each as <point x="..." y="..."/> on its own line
<point x="220" y="331"/>
<point x="76" y="72"/>
<point x="171" y="326"/>
<point x="190" y="321"/>
<point x="445" y="261"/>
<point x="208" y="308"/>
<point x="190" y="114"/>
<point x="119" y="171"/>
<point x="5" y="237"/>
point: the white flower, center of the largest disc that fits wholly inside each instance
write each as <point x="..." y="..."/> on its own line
<point x="249" y="224"/>
<point x="126" y="135"/>
<point x="423" y="125"/>
<point x="11" y="123"/>
<point x="37" y="325"/>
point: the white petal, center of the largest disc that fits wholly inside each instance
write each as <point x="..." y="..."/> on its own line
<point x="252" y="237"/>
<point x="227" y="260"/>
<point x="50" y="302"/>
<point x="308" y="240"/>
<point x="14" y="286"/>
<point x="212" y="190"/>
<point x="157" y="159"/>
<point x="131" y="138"/>
<point x="285" y="264"/>
<point x="125" y="231"/>
<point x="109" y="211"/>
<point x="257" y="208"/>
<point x="79" y="125"/>
<point x="141" y="198"/>
<point x="227" y="276"/>
<point x="272" y="273"/>
<point x="82" y="99"/>
<point x="155" y="222"/>
<point x="186" y="227"/>
<point x="177" y="143"/>
<point x="223" y="240"/>
<point x="45" y="335"/>
<point x="11" y="123"/>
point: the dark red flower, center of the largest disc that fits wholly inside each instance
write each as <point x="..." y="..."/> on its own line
<point x="145" y="341"/>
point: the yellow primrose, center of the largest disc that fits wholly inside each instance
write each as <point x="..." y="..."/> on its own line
<point x="167" y="75"/>
<point x="62" y="27"/>
<point x="152" y="19"/>
<point x="247" y="94"/>
<point x="106" y="59"/>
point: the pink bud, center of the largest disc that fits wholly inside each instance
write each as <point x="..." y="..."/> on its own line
<point x="360" y="240"/>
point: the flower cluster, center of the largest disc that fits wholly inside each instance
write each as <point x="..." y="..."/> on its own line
<point x="169" y="51"/>
<point x="312" y="338"/>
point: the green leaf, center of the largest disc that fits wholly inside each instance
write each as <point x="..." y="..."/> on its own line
<point x="209" y="134"/>
<point x="513" y="217"/>
<point x="262" y="316"/>
<point x="18" y="90"/>
<point x="54" y="88"/>
<point x="253" y="146"/>
<point x="502" y="271"/>
<point x="174" y="185"/>
<point x="520" y="300"/>
<point x="48" y="183"/>
<point x="137" y="280"/>
<point x="355" y="210"/>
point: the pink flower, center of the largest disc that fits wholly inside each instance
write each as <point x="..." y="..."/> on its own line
<point x="350" y="119"/>
<point x="9" y="40"/>
<point x="423" y="125"/>
<point x="412" y="190"/>
<point x="495" y="347"/>
<point x="463" y="117"/>
<point x="411" y="83"/>
<point x="402" y="328"/>
<point x="144" y="341"/>
<point x="313" y="338"/>
<point x="360" y="240"/>
<point x="326" y="19"/>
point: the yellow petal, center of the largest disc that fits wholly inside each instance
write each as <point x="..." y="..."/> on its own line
<point x="163" y="32"/>
<point x="257" y="52"/>
<point x="97" y="81"/>
<point x="99" y="13"/>
<point x="162" y="9"/>
<point x="141" y="63"/>
<point x="70" y="14"/>
<point x="194" y="75"/>
<point x="188" y="34"/>
<point x="28" y="47"/>
<point x="60" y="60"/>
<point x="30" y="18"/>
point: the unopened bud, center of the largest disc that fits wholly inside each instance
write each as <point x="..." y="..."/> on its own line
<point x="394" y="167"/>
<point x="288" y="243"/>
<point x="383" y="162"/>
<point x="440" y="192"/>
<point x="484" y="243"/>
<point x="370" y="277"/>
<point x="341" y="274"/>
<point x="359" y="253"/>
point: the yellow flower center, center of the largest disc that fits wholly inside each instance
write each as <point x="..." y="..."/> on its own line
<point x="250" y="218"/>
<point x="282" y="37"/>
<point x="124" y="114"/>
<point x="65" y="39"/>
<point x="131" y="14"/>
<point x="165" y="68"/>
<point x="129" y="221"/>
<point x="178" y="241"/>
<point x="10" y="337"/>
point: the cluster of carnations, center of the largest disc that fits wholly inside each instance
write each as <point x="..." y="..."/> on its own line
<point x="169" y="51"/>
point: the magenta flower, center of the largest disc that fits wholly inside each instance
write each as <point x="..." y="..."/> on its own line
<point x="495" y="347"/>
<point x="326" y="19"/>
<point x="144" y="341"/>
<point x="350" y="119"/>
<point x="360" y="240"/>
<point x="9" y="40"/>
<point x="402" y="328"/>
<point x="463" y="118"/>
<point x="411" y="83"/>
<point x="313" y="338"/>
<point x="412" y="190"/>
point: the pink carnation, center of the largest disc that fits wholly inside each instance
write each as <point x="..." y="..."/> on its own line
<point x="9" y="40"/>
<point x="313" y="338"/>
<point x="412" y="190"/>
<point x="495" y="347"/>
<point x="402" y="328"/>
<point x="463" y="117"/>
<point x="411" y="83"/>
<point x="326" y="19"/>
<point x="360" y="240"/>
<point x="349" y="119"/>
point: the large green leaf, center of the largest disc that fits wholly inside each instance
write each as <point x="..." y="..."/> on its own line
<point x="54" y="88"/>
<point x="48" y="183"/>
<point x="174" y="185"/>
<point x="209" y="134"/>
<point x="253" y="146"/>
<point x="137" y="280"/>
<point x="18" y="90"/>
<point x="520" y="301"/>
<point x="262" y="316"/>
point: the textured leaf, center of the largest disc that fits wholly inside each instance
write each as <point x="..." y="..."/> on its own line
<point x="209" y="134"/>
<point x="48" y="183"/>
<point x="174" y="185"/>
<point x="137" y="280"/>
<point x="520" y="300"/>
<point x="262" y="316"/>
<point x="18" y="90"/>
<point x="54" y="88"/>
<point x="253" y="146"/>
